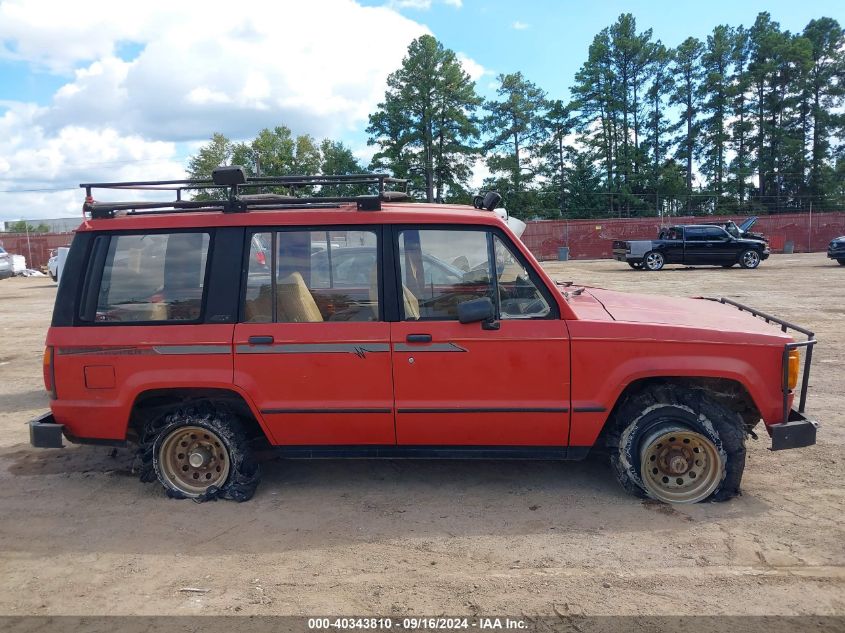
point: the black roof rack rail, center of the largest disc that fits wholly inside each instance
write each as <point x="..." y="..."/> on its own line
<point x="234" y="180"/>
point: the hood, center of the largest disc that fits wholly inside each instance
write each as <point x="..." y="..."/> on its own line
<point x="748" y="223"/>
<point x="680" y="311"/>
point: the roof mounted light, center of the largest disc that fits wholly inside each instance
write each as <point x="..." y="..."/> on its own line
<point x="489" y="201"/>
<point x="228" y="175"/>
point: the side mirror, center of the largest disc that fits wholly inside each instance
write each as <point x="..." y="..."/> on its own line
<point x="476" y="310"/>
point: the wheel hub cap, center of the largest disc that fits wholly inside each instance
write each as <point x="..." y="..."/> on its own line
<point x="192" y="459"/>
<point x="679" y="465"/>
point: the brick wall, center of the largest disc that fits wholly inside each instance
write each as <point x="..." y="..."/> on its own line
<point x="592" y="239"/>
<point x="35" y="248"/>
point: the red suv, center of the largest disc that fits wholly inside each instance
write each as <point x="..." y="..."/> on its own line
<point x="332" y="325"/>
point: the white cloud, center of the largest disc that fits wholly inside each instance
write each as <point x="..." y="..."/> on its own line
<point x="196" y="72"/>
<point x="471" y="67"/>
<point x="519" y="26"/>
<point x="48" y="167"/>
<point x="198" y="68"/>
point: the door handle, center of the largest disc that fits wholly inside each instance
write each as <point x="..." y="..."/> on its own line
<point x="418" y="338"/>
<point x="260" y="340"/>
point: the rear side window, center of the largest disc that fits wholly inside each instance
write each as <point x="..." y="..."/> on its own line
<point x="152" y="277"/>
<point x="312" y="277"/>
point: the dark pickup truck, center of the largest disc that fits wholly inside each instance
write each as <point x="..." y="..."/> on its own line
<point x="692" y="245"/>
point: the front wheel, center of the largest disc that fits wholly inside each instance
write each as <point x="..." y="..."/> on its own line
<point x="677" y="445"/>
<point x="749" y="259"/>
<point x="653" y="260"/>
<point x="199" y="452"/>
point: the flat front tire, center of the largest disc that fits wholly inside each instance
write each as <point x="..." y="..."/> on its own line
<point x="677" y="445"/>
<point x="199" y="452"/>
<point x="749" y="259"/>
<point x="653" y="260"/>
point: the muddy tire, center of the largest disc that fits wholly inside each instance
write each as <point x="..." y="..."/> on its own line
<point x="199" y="452"/>
<point x="749" y="259"/>
<point x="677" y="445"/>
<point x="653" y="261"/>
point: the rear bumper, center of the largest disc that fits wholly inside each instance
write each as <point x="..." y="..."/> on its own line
<point x="45" y="433"/>
<point x="797" y="432"/>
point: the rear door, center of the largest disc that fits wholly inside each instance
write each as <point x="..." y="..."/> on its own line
<point x="312" y="347"/>
<point x="466" y="384"/>
<point x="147" y="319"/>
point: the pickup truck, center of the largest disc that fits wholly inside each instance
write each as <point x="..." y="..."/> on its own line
<point x="692" y="245"/>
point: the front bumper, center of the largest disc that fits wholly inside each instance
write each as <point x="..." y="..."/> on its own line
<point x="837" y="252"/>
<point x="797" y="432"/>
<point x="45" y="433"/>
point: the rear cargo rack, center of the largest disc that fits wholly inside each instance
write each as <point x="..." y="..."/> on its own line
<point x="229" y="186"/>
<point x="784" y="326"/>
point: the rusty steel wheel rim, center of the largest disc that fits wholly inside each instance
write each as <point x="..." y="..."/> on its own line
<point x="679" y="465"/>
<point x="192" y="459"/>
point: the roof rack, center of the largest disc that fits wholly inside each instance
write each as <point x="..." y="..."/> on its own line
<point x="233" y="179"/>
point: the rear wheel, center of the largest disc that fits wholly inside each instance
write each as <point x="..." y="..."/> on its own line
<point x="653" y="261"/>
<point x="199" y="452"/>
<point x="677" y="445"/>
<point x="749" y="259"/>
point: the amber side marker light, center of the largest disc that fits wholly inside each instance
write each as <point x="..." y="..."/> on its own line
<point x="794" y="362"/>
<point x="49" y="373"/>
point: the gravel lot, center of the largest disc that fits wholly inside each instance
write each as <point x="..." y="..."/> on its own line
<point x="80" y="535"/>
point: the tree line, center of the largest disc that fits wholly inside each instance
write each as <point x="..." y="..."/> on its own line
<point x="748" y="120"/>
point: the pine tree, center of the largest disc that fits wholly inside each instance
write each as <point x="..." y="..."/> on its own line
<point x="426" y="127"/>
<point x="687" y="72"/>
<point x="514" y="125"/>
<point x="715" y="105"/>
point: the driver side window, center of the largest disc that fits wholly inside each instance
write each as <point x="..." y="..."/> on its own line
<point x="440" y="269"/>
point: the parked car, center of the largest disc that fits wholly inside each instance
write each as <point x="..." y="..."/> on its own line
<point x="836" y="249"/>
<point x="437" y="334"/>
<point x="6" y="269"/>
<point x="53" y="266"/>
<point x="692" y="245"/>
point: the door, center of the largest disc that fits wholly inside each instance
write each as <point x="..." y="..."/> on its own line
<point x="504" y="383"/>
<point x="672" y="246"/>
<point x="711" y="245"/>
<point x="145" y="321"/>
<point x="311" y="347"/>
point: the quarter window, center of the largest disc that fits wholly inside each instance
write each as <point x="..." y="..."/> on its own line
<point x="153" y="277"/>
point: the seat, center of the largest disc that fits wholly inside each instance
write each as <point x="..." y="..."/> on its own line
<point x="411" y="303"/>
<point x="295" y="303"/>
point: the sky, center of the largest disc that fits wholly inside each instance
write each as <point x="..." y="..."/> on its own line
<point x="95" y="91"/>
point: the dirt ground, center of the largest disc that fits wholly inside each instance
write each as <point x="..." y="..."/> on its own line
<point x="80" y="535"/>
